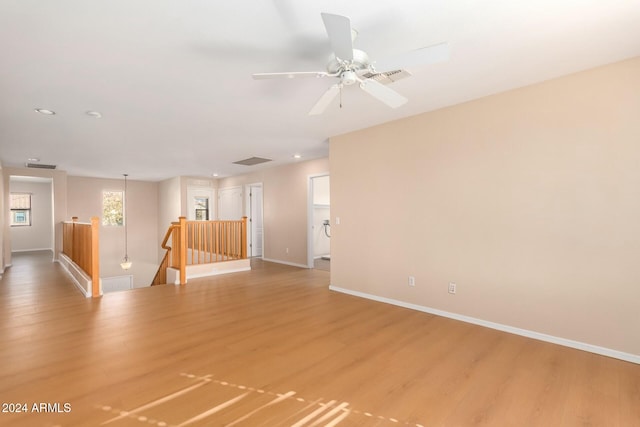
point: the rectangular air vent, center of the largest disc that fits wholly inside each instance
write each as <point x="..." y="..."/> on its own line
<point x="39" y="166"/>
<point x="251" y="161"/>
<point x="388" y="76"/>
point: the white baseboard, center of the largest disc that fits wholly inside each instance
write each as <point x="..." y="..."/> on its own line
<point x="293" y="264"/>
<point x="603" y="351"/>
<point x="76" y="274"/>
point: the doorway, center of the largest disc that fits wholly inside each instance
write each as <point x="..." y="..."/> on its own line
<point x="254" y="209"/>
<point x="319" y="218"/>
<point x="31" y="207"/>
<point x="200" y="203"/>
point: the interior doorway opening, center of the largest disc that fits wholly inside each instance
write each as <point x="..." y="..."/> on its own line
<point x="319" y="218"/>
<point x="255" y="226"/>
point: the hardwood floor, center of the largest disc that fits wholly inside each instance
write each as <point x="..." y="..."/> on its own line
<point x="275" y="347"/>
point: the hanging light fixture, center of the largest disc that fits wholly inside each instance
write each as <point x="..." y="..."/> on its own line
<point x="126" y="262"/>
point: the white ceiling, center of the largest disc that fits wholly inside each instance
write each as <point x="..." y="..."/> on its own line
<point x="172" y="79"/>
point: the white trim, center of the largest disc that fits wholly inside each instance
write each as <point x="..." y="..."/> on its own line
<point x="73" y="270"/>
<point x="123" y="282"/>
<point x="247" y="211"/>
<point x="603" y="351"/>
<point x="15" y="251"/>
<point x="293" y="264"/>
<point x="218" y="273"/>
<point x="310" y="206"/>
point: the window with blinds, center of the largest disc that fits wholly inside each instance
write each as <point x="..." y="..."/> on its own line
<point x="20" y="205"/>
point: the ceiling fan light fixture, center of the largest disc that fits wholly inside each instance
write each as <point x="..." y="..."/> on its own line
<point x="349" y="78"/>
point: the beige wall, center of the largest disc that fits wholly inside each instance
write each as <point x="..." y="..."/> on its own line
<point x="528" y="200"/>
<point x="85" y="201"/>
<point x="285" y="192"/>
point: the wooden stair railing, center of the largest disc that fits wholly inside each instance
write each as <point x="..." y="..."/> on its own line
<point x="80" y="242"/>
<point x="201" y="242"/>
<point x="167" y="261"/>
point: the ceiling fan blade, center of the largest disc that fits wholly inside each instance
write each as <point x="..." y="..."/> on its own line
<point x="423" y="56"/>
<point x="383" y="93"/>
<point x="339" y="31"/>
<point x="325" y="100"/>
<point x="291" y="75"/>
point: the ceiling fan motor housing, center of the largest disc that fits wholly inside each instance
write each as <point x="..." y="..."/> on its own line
<point x="360" y="62"/>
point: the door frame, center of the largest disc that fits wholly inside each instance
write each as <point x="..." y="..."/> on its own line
<point x="196" y="190"/>
<point x="248" y="190"/>
<point x="310" y="211"/>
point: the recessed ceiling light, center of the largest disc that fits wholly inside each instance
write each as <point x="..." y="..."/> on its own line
<point x="33" y="159"/>
<point x="215" y="175"/>
<point x="297" y="156"/>
<point x="94" y="114"/>
<point x="45" y="111"/>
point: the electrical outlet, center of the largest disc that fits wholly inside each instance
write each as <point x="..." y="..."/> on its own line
<point x="452" y="288"/>
<point x="412" y="281"/>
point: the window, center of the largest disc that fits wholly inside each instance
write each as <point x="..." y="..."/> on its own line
<point x="112" y="208"/>
<point x="202" y="208"/>
<point x="20" y="204"/>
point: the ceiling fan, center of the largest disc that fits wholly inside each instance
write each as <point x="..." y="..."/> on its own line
<point x="352" y="66"/>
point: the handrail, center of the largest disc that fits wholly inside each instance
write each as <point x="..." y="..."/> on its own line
<point x="80" y="242"/>
<point x="202" y="242"/>
<point x="161" y="275"/>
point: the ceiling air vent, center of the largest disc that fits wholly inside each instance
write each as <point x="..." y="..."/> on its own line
<point x="251" y="161"/>
<point x="388" y="76"/>
<point x="39" y="166"/>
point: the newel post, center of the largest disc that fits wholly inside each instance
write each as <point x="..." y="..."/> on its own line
<point x="243" y="238"/>
<point x="183" y="250"/>
<point x="96" y="289"/>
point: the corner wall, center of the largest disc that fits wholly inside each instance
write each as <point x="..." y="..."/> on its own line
<point x="285" y="204"/>
<point x="528" y="200"/>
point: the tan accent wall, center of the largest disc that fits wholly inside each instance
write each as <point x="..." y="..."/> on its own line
<point x="285" y="203"/>
<point x="528" y="200"/>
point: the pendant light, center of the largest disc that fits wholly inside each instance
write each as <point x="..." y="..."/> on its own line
<point x="126" y="262"/>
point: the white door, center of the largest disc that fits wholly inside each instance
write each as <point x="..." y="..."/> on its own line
<point x="255" y="220"/>
<point x="230" y="203"/>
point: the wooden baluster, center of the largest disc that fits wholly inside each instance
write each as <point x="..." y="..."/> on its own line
<point x="96" y="286"/>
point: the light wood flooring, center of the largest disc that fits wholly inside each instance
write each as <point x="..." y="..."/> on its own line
<point x="275" y="347"/>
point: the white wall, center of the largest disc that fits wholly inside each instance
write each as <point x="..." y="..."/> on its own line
<point x="39" y="235"/>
